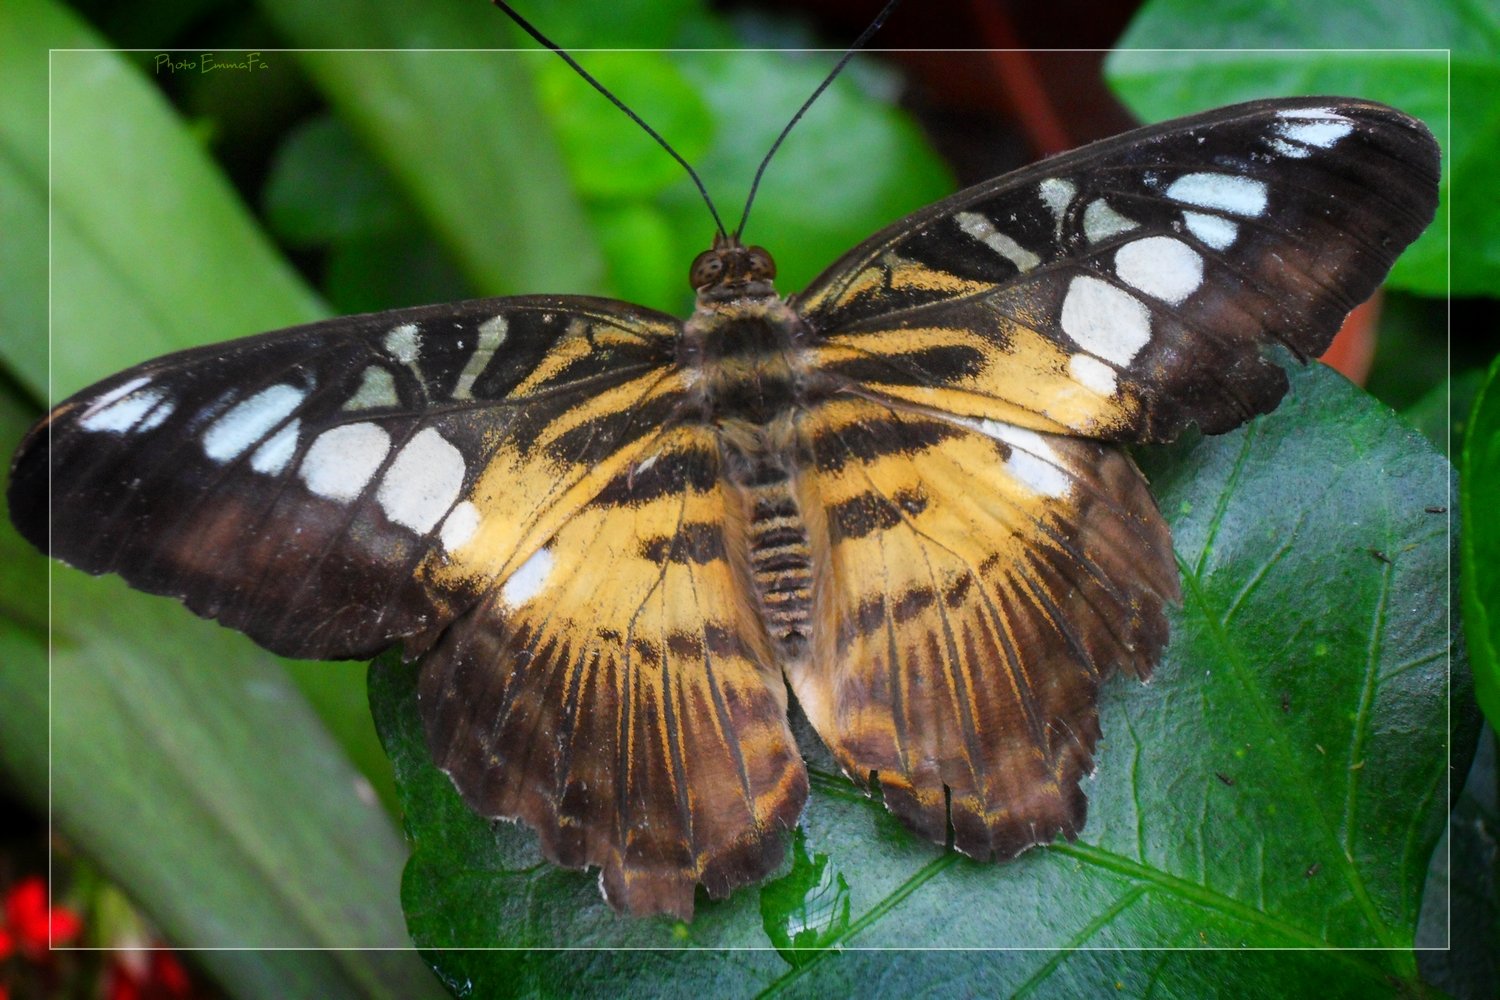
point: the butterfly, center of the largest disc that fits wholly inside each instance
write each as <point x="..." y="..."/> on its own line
<point x="618" y="541"/>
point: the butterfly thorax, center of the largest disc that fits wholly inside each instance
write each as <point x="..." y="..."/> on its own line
<point x="744" y="352"/>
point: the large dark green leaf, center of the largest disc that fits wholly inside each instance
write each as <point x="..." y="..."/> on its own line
<point x="1479" y="561"/>
<point x="1461" y="912"/>
<point x="1281" y="782"/>
<point x="1180" y="56"/>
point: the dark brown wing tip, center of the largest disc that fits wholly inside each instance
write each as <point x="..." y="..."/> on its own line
<point x="668" y="890"/>
<point x="661" y="880"/>
<point x="654" y="864"/>
<point x="946" y="814"/>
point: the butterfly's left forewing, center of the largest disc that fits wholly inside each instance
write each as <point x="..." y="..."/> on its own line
<point x="1134" y="286"/>
<point x="334" y="488"/>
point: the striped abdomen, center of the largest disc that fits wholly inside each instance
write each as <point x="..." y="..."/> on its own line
<point x="780" y="564"/>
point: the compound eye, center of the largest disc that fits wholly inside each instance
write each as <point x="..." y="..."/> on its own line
<point x="761" y="265"/>
<point x="707" y="268"/>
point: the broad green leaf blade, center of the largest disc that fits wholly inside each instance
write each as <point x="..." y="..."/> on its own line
<point x="1280" y="783"/>
<point x="459" y="131"/>
<point x="23" y="189"/>
<point x="1464" y="900"/>
<point x="184" y="762"/>
<point x="323" y="190"/>
<point x="152" y="251"/>
<point x="1163" y="67"/>
<point x="654" y="88"/>
<point x="1479" y="556"/>
<point x="1189" y="974"/>
<point x="852" y="165"/>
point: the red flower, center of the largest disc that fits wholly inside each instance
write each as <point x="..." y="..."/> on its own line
<point x="146" y="975"/>
<point x="31" y="926"/>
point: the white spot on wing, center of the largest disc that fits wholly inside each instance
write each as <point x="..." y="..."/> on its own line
<point x="126" y="407"/>
<point x="1230" y="193"/>
<point x="982" y="230"/>
<point x="160" y="411"/>
<point x="1056" y="193"/>
<point x="1160" y="266"/>
<point x="1299" y="134"/>
<point x="377" y="387"/>
<point x="1214" y="230"/>
<point x="1105" y="320"/>
<point x="1032" y="460"/>
<point x="460" y="525"/>
<point x="1311" y="113"/>
<point x="1100" y="221"/>
<point x="1322" y="134"/>
<point x="526" y="582"/>
<point x="274" y="454"/>
<point x="423" y="482"/>
<point x="116" y="393"/>
<point x="404" y="343"/>
<point x="1093" y="374"/>
<point x="249" y="420"/>
<point x="340" y="461"/>
<point x="491" y="336"/>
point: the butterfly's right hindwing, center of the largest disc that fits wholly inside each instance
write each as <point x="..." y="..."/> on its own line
<point x="334" y="488"/>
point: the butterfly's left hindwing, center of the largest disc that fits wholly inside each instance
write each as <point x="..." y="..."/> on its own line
<point x="618" y="694"/>
<point x="1134" y="286"/>
<point x="331" y="489"/>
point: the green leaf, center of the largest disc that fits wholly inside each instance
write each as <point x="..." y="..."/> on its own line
<point x="183" y="761"/>
<point x="1442" y="413"/>
<point x="854" y="163"/>
<point x="1412" y="354"/>
<point x="458" y="130"/>
<point x="23" y="209"/>
<point x="652" y="87"/>
<point x="1461" y="911"/>
<point x="864" y="159"/>
<point x="179" y="262"/>
<point x="1280" y="783"/>
<point x="324" y="190"/>
<point x="1227" y="51"/>
<point x="1479" y="557"/>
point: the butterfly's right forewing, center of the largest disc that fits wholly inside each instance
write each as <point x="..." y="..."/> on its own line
<point x="334" y="488"/>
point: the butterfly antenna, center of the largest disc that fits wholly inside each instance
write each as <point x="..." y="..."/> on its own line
<point x="548" y="43"/>
<point x="859" y="43"/>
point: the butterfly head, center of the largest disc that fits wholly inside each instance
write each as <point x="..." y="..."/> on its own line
<point x="731" y="270"/>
